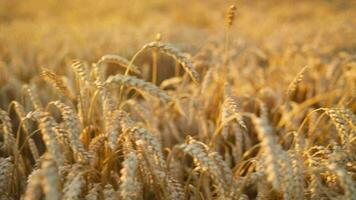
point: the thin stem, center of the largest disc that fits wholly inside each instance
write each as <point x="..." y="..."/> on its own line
<point x="128" y="69"/>
<point x="154" y="66"/>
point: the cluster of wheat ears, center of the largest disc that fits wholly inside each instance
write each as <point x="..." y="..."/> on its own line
<point x="216" y="132"/>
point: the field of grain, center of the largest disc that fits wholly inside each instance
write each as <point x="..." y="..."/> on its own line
<point x="175" y="100"/>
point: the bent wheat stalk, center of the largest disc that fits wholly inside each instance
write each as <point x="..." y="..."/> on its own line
<point x="120" y="61"/>
<point x="140" y="85"/>
<point x="173" y="52"/>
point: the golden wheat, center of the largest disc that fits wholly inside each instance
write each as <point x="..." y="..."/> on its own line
<point x="251" y="129"/>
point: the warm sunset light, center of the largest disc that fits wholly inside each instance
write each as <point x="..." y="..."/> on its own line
<point x="177" y="99"/>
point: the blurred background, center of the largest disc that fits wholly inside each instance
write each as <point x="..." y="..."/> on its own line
<point x="36" y="33"/>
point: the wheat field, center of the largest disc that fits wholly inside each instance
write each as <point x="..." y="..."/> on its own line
<point x="175" y="100"/>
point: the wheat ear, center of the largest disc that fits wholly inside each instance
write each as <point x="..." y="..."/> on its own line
<point x="294" y="84"/>
<point x="33" y="189"/>
<point x="74" y="127"/>
<point x="231" y="109"/>
<point x="6" y="169"/>
<point x="10" y="141"/>
<point x="47" y="126"/>
<point x="173" y="52"/>
<point x="80" y="70"/>
<point x="271" y="150"/>
<point x="140" y="85"/>
<point x="340" y="124"/>
<point x="130" y="187"/>
<point x="121" y="61"/>
<point x="94" y="192"/>
<point x="346" y="181"/>
<point x="50" y="182"/>
<point x="200" y="152"/>
<point x="75" y="182"/>
<point x="177" y="55"/>
<point x="56" y="81"/>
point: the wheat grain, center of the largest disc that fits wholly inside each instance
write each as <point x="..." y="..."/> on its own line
<point x="33" y="98"/>
<point x="130" y="187"/>
<point x="109" y="192"/>
<point x="95" y="147"/>
<point x="177" y="55"/>
<point x="230" y="15"/>
<point x="140" y="85"/>
<point x="6" y="166"/>
<point x="9" y="139"/>
<point x="121" y="61"/>
<point x="288" y="184"/>
<point x="50" y="181"/>
<point x="73" y="188"/>
<point x="340" y="124"/>
<point x="175" y="189"/>
<point x="103" y="143"/>
<point x="294" y="84"/>
<point x="298" y="172"/>
<point x="346" y="181"/>
<point x="33" y="189"/>
<point x="47" y="125"/>
<point x="271" y="150"/>
<point x="199" y="152"/>
<point x="74" y="127"/>
<point x="56" y="81"/>
<point x="231" y="108"/>
<point x="347" y="114"/>
<point x="93" y="193"/>
<point x="113" y="129"/>
<point x="80" y="70"/>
